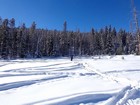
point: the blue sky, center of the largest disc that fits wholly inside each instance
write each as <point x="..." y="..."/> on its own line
<point x="79" y="14"/>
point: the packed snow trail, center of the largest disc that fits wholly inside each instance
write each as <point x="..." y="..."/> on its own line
<point x="113" y="78"/>
<point x="127" y="93"/>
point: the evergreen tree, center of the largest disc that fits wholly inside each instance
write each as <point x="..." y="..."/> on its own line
<point x="109" y="42"/>
<point x="101" y="33"/>
<point x="92" y="41"/>
<point x="0" y="21"/>
<point x="98" y="46"/>
<point x="21" y="41"/>
<point x="5" y="39"/>
<point x="32" y="44"/>
<point x="1" y="38"/>
<point x="64" y="41"/>
<point x="11" y="37"/>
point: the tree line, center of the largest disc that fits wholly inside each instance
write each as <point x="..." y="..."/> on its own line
<point x="23" y="42"/>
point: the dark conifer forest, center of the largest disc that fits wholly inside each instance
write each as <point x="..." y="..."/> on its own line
<point x="23" y="42"/>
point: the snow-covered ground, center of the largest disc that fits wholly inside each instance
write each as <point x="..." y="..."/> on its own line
<point x="85" y="81"/>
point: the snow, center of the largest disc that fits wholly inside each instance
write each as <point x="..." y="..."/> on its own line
<point x="104" y="80"/>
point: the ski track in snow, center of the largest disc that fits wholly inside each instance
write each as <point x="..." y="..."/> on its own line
<point x="13" y="85"/>
<point x="75" y="99"/>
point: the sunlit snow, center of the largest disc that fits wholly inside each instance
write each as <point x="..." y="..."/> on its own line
<point x="93" y="80"/>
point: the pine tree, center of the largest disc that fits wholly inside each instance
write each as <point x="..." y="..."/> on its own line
<point x="43" y="44"/>
<point x="55" y="43"/>
<point x="109" y="42"/>
<point x="32" y="44"/>
<point x="92" y="41"/>
<point x="1" y="39"/>
<point x="101" y="34"/>
<point x="5" y="38"/>
<point x="0" y="21"/>
<point x="98" y="45"/>
<point x="21" y="42"/>
<point x="11" y="37"/>
<point x="64" y="41"/>
<point x="50" y="44"/>
<point x="120" y="49"/>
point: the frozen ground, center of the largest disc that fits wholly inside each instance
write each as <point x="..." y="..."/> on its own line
<point x="84" y="81"/>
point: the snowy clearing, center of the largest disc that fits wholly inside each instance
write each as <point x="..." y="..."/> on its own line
<point x="84" y="81"/>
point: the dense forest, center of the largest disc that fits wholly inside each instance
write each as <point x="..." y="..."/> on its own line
<point x="23" y="42"/>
